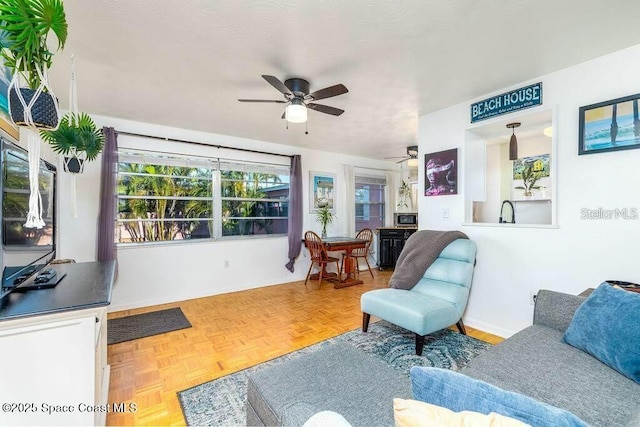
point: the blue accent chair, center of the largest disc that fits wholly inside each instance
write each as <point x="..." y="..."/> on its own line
<point x="436" y="302"/>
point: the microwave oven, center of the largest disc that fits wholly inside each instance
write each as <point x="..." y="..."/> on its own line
<point x="406" y="219"/>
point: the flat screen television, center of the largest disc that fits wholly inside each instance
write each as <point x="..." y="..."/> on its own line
<point x="25" y="251"/>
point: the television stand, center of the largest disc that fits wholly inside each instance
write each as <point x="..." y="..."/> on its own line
<point x="60" y="336"/>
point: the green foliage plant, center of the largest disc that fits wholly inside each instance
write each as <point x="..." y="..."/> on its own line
<point x="76" y="133"/>
<point x="25" y="26"/>
<point x="529" y="179"/>
<point x="404" y="195"/>
<point x="325" y="217"/>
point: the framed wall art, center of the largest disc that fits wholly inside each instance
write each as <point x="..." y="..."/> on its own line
<point x="6" y="123"/>
<point x="609" y="126"/>
<point x="441" y="173"/>
<point x="538" y="164"/>
<point x="322" y="186"/>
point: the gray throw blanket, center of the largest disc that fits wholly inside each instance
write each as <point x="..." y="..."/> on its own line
<point x="419" y="252"/>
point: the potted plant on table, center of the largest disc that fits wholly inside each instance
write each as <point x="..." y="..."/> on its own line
<point x="25" y="26"/>
<point x="324" y="216"/>
<point x="77" y="138"/>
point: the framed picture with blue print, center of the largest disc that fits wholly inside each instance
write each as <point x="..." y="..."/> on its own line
<point x="322" y="186"/>
<point x="609" y="126"/>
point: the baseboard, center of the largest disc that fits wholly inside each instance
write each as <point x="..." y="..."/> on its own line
<point x="487" y="327"/>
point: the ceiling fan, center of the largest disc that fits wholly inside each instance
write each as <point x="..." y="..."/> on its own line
<point x="411" y="158"/>
<point x="298" y="99"/>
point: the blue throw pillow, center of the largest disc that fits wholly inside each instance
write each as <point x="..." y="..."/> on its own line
<point x="606" y="326"/>
<point x="459" y="392"/>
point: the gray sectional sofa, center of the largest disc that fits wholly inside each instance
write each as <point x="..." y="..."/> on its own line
<point x="535" y="362"/>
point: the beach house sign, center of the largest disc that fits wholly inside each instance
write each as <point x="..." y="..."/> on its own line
<point x="519" y="99"/>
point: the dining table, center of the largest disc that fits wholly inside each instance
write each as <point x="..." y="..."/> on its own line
<point x="346" y="244"/>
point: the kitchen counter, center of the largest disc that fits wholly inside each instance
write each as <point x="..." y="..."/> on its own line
<point x="397" y="228"/>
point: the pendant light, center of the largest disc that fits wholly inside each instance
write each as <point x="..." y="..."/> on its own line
<point x="513" y="143"/>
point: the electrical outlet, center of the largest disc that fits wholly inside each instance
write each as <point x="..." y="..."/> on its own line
<point x="532" y="297"/>
<point x="445" y="213"/>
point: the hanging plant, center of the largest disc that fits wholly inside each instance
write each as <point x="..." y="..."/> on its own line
<point x="25" y="26"/>
<point x="404" y="195"/>
<point x="77" y="138"/>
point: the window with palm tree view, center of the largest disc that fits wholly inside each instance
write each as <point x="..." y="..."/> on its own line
<point x="162" y="198"/>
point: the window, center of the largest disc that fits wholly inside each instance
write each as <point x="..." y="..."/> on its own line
<point x="255" y="200"/>
<point x="369" y="194"/>
<point x="168" y="198"/>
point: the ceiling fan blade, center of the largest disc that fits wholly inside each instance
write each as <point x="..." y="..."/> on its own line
<point x="403" y="160"/>
<point x="325" y="109"/>
<point x="328" y="92"/>
<point x="397" y="157"/>
<point x="275" y="82"/>
<point x="262" y="100"/>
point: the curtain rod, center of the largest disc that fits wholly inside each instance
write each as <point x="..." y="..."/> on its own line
<point x="374" y="169"/>
<point x="202" y="143"/>
<point x="217" y="159"/>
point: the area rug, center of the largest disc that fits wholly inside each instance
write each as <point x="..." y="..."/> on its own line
<point x="145" y="325"/>
<point x="221" y="402"/>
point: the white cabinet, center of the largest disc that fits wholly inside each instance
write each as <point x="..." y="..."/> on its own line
<point x="53" y="369"/>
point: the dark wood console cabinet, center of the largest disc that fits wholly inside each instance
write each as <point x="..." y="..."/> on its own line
<point x="390" y="244"/>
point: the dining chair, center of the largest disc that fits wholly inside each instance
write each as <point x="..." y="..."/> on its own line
<point x="318" y="254"/>
<point x="364" y="234"/>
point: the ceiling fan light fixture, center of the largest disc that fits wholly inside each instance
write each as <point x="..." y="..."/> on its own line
<point x="412" y="162"/>
<point x="297" y="98"/>
<point x="296" y="112"/>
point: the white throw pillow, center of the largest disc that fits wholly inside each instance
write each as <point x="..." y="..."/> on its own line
<point x="413" y="413"/>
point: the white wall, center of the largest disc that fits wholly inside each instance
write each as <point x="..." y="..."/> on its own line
<point x="163" y="273"/>
<point x="579" y="253"/>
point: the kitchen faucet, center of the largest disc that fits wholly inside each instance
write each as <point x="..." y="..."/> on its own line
<point x="513" y="213"/>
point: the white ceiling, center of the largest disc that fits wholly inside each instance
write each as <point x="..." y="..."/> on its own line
<point x="184" y="63"/>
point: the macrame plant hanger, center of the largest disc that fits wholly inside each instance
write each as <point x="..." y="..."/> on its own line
<point x="74" y="155"/>
<point x="29" y="132"/>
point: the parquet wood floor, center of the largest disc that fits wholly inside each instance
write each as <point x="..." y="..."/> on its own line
<point x="230" y="332"/>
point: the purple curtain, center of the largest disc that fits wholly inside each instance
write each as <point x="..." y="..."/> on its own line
<point x="107" y="214"/>
<point x="295" y="211"/>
